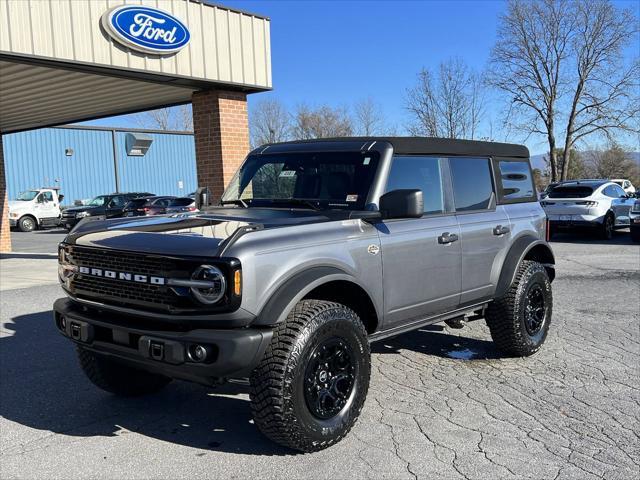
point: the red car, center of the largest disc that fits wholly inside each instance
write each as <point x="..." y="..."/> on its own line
<point x="146" y="206"/>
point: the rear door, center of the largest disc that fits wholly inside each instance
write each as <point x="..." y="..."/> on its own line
<point x="421" y="271"/>
<point x="115" y="206"/>
<point x="484" y="227"/>
<point x="620" y="203"/>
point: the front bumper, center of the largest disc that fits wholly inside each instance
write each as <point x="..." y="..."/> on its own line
<point x="69" y="222"/>
<point x="13" y="222"/>
<point x="232" y="353"/>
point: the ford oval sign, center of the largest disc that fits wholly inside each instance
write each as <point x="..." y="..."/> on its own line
<point x="146" y="29"/>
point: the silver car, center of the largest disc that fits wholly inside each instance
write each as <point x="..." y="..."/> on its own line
<point x="599" y="204"/>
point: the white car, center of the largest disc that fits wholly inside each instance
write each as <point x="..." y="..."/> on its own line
<point x="600" y="204"/>
<point x="35" y="209"/>
<point x="626" y="185"/>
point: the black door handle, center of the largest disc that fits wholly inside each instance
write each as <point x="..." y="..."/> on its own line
<point x="500" y="230"/>
<point x="447" y="237"/>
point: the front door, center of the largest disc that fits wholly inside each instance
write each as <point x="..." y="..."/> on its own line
<point x="421" y="257"/>
<point x="47" y="208"/>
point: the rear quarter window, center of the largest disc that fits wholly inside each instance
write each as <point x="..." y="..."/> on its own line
<point x="514" y="181"/>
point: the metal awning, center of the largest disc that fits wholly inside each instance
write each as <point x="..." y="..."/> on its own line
<point x="34" y="96"/>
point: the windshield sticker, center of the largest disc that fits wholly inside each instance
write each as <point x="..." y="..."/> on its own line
<point x="366" y="160"/>
<point x="288" y="173"/>
<point x="352" y="198"/>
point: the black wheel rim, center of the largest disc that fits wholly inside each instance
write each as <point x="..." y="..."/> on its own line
<point x="609" y="226"/>
<point x="329" y="378"/>
<point x="535" y="310"/>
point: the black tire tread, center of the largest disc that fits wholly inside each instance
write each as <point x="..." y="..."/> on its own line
<point x="117" y="378"/>
<point x="501" y="315"/>
<point x="269" y="377"/>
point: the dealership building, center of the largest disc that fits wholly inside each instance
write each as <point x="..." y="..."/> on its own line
<point x="66" y="62"/>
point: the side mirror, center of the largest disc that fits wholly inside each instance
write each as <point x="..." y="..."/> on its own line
<point x="405" y="203"/>
<point x="203" y="197"/>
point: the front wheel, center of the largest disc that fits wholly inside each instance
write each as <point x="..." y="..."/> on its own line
<point x="519" y="320"/>
<point x="118" y="378"/>
<point x="27" y="224"/>
<point x="309" y="388"/>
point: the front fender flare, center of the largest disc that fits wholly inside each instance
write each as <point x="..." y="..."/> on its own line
<point x="516" y="254"/>
<point x="294" y="289"/>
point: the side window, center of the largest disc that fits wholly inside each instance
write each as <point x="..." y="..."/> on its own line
<point x="48" y="196"/>
<point x="618" y="191"/>
<point x="419" y="172"/>
<point x="514" y="181"/>
<point x="117" y="201"/>
<point x="472" y="185"/>
<point x="611" y="191"/>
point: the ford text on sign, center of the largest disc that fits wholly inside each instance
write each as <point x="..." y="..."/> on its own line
<point x="146" y="29"/>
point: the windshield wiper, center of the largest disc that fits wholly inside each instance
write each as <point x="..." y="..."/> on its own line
<point x="237" y="201"/>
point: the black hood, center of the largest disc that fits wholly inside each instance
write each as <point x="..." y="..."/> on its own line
<point x="84" y="208"/>
<point x="202" y="234"/>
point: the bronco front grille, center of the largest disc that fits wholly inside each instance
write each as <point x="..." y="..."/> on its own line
<point x="126" y="292"/>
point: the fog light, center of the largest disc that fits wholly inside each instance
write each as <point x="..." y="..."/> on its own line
<point x="198" y="353"/>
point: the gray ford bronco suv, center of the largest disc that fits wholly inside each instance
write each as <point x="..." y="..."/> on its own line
<point x="317" y="249"/>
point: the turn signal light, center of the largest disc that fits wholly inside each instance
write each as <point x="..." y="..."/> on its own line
<point x="237" y="283"/>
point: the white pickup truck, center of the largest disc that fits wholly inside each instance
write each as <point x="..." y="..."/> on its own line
<point x="35" y="209"/>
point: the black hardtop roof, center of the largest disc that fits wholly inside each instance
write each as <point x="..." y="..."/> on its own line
<point x="402" y="145"/>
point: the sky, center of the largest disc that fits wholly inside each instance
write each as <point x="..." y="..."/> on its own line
<point x="338" y="52"/>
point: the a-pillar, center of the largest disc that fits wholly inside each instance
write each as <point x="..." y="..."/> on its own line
<point x="221" y="131"/>
<point x="5" y="234"/>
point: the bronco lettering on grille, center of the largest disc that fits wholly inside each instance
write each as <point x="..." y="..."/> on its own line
<point x="131" y="277"/>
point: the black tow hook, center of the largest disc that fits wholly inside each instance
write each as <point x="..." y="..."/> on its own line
<point x="156" y="351"/>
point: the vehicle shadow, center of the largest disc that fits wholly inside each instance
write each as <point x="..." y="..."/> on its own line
<point x="43" y="388"/>
<point x="620" y="237"/>
<point x="436" y="341"/>
<point x="31" y="256"/>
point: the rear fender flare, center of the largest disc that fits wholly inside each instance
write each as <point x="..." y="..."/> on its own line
<point x="516" y="254"/>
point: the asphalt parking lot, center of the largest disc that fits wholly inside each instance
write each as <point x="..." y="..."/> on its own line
<point x="442" y="403"/>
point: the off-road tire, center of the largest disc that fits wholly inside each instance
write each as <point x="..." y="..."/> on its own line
<point x="608" y="226"/>
<point x="27" y="224"/>
<point x="278" y="402"/>
<point x="506" y="316"/>
<point x="118" y="378"/>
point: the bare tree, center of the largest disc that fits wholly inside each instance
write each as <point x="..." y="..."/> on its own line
<point x="269" y="122"/>
<point x="178" y="118"/>
<point x="565" y="55"/>
<point x="321" y="122"/>
<point x="369" y="119"/>
<point x="449" y="105"/>
<point x="613" y="162"/>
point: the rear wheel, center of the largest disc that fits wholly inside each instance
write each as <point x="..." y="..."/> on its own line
<point x="118" y="378"/>
<point x="606" y="230"/>
<point x="519" y="321"/>
<point x="309" y="388"/>
<point x="27" y="224"/>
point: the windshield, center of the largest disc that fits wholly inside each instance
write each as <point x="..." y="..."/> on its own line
<point x="28" y="195"/>
<point x="338" y="180"/>
<point x="571" y="192"/>
<point x="98" y="201"/>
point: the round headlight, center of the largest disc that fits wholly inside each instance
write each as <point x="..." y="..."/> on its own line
<point x="213" y="284"/>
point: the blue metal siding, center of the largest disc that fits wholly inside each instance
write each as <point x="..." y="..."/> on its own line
<point x="37" y="158"/>
<point x="170" y="160"/>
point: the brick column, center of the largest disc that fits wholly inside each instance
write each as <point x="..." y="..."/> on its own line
<point x="221" y="130"/>
<point x="5" y="234"/>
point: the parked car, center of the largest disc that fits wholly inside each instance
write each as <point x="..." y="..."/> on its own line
<point x="634" y="221"/>
<point x="626" y="185"/>
<point x="598" y="204"/>
<point x="318" y="249"/>
<point x="182" y="205"/>
<point x="101" y="207"/>
<point x="146" y="206"/>
<point x="39" y="208"/>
